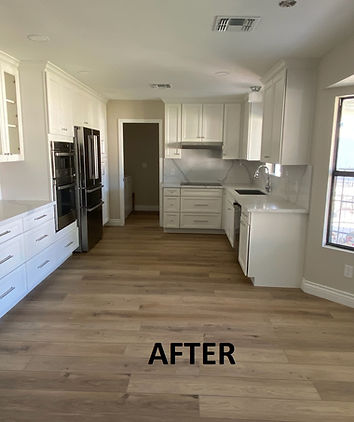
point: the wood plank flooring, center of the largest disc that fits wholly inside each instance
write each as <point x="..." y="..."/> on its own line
<point x="77" y="348"/>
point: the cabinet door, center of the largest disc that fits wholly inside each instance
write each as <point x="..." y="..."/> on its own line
<point x="11" y="145"/>
<point x="278" y="113"/>
<point x="232" y="123"/>
<point x="60" y="106"/>
<point x="243" y="246"/>
<point x="172" y="130"/>
<point x="191" y="122"/>
<point x="213" y="122"/>
<point x="268" y="104"/>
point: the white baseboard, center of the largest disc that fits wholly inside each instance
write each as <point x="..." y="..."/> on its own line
<point x="329" y="293"/>
<point x="114" y="222"/>
<point x="146" y="207"/>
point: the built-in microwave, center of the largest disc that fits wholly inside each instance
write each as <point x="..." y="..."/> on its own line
<point x="64" y="182"/>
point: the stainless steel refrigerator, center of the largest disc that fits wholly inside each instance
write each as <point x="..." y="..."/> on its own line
<point x="89" y="192"/>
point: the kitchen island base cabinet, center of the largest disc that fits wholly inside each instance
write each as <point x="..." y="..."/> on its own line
<point x="271" y="250"/>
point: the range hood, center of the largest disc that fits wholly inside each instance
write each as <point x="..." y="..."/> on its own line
<point x="200" y="145"/>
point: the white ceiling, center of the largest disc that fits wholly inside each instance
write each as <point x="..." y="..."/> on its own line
<point x="127" y="44"/>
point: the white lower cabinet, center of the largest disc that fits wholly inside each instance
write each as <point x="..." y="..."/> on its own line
<point x="12" y="289"/>
<point x="229" y="218"/>
<point x="271" y="248"/>
<point x="32" y="254"/>
<point x="200" y="221"/>
<point x="192" y="208"/>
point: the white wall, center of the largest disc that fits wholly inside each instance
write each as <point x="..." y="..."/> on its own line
<point x="323" y="265"/>
<point x="30" y="179"/>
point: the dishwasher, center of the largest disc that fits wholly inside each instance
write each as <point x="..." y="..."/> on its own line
<point x="237" y="219"/>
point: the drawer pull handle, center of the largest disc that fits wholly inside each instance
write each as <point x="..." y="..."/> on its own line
<point x="40" y="218"/>
<point x="70" y="243"/>
<point x="7" y="292"/>
<point x="5" y="233"/>
<point x="41" y="238"/>
<point x="6" y="259"/>
<point x="201" y="221"/>
<point x="43" y="265"/>
<point x="201" y="205"/>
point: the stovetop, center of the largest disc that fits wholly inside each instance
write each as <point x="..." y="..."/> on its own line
<point x="200" y="184"/>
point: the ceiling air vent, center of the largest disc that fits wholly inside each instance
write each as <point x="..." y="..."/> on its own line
<point x="236" y="23"/>
<point x="160" y="86"/>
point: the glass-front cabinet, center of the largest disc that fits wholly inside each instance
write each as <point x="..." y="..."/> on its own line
<point x="11" y="136"/>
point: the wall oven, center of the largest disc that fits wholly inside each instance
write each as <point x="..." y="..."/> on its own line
<point x="64" y="182"/>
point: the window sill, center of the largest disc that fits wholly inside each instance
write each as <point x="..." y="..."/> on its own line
<point x="334" y="248"/>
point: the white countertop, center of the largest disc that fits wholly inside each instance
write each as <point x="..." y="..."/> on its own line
<point x="178" y="185"/>
<point x="262" y="203"/>
<point x="12" y="209"/>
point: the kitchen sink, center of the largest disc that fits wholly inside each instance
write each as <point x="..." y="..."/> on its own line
<point x="249" y="192"/>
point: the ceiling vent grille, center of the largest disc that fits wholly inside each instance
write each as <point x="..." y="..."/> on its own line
<point x="236" y="23"/>
<point x="160" y="86"/>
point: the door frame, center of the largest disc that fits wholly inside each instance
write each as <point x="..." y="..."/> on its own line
<point x="121" y="164"/>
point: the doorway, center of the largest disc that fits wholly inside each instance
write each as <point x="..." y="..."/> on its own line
<point x="140" y="169"/>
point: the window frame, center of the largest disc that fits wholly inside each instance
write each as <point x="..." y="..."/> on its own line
<point x="337" y="173"/>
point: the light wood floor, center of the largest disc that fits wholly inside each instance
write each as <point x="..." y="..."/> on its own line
<point x="77" y="348"/>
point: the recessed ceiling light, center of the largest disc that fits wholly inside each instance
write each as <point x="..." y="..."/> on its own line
<point x="222" y="74"/>
<point x="38" y="37"/>
<point x="287" y="3"/>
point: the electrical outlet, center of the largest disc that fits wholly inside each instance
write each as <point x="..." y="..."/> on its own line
<point x="348" y="271"/>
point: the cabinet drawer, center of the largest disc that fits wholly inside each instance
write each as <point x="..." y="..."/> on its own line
<point x="39" y="267"/>
<point x="200" y="221"/>
<point x="38" y="239"/>
<point x="11" y="255"/>
<point x="39" y="217"/>
<point x="171" y="203"/>
<point x="172" y="191"/>
<point x="171" y="220"/>
<point x="67" y="244"/>
<point x="12" y="289"/>
<point x="10" y="230"/>
<point x="212" y="205"/>
<point x="217" y="193"/>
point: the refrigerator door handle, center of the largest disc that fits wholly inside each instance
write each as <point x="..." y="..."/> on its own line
<point x="89" y="139"/>
<point x="94" y="189"/>
<point x="95" y="152"/>
<point x="95" y="207"/>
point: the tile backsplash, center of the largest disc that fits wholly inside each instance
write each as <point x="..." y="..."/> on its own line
<point x="293" y="185"/>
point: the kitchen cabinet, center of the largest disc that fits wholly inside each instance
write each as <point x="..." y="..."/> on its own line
<point x="173" y="130"/>
<point x="30" y="250"/>
<point x="60" y="100"/>
<point x="250" y="148"/>
<point x="202" y="122"/>
<point x="288" y="106"/>
<point x="11" y="132"/>
<point x="192" y="208"/>
<point x="231" y="132"/>
<point x="271" y="247"/>
<point x="87" y="110"/>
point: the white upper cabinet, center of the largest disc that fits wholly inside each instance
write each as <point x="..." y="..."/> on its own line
<point x="202" y="122"/>
<point x="212" y="123"/>
<point x="172" y="130"/>
<point x="289" y="96"/>
<point x="86" y="109"/>
<point x="11" y="134"/>
<point x="250" y="148"/>
<point x="192" y="122"/>
<point x="232" y="132"/>
<point x="60" y="97"/>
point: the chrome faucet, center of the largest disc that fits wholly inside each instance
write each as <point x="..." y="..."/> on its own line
<point x="268" y="186"/>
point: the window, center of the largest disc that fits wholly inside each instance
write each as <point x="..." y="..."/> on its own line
<point x="340" y="231"/>
<point x="274" y="169"/>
